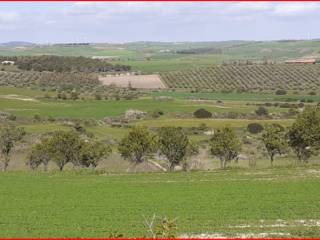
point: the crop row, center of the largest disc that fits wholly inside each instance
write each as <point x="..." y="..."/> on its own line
<point x="249" y="77"/>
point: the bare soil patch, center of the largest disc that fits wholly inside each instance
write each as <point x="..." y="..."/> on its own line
<point x="137" y="81"/>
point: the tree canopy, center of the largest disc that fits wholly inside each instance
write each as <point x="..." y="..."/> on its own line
<point x="136" y="146"/>
<point x="175" y="145"/>
<point x="304" y="134"/>
<point x="226" y="145"/>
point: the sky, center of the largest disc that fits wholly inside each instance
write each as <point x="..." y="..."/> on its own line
<point x="118" y="22"/>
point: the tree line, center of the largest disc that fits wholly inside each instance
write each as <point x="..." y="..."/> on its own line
<point x="140" y="144"/>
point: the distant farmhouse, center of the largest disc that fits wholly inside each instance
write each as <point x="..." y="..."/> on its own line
<point x="7" y="63"/>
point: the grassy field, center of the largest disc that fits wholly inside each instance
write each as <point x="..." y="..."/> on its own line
<point x="100" y="109"/>
<point x="27" y="103"/>
<point x="276" y="202"/>
<point x="267" y="96"/>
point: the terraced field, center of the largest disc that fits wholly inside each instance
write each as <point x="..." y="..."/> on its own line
<point x="247" y="77"/>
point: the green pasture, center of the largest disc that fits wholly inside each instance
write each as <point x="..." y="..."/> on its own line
<point x="211" y="123"/>
<point x="84" y="204"/>
<point x="99" y="109"/>
<point x="234" y="96"/>
<point x="28" y="102"/>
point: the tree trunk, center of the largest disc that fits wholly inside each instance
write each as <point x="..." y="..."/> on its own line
<point x="171" y="167"/>
<point x="45" y="166"/>
<point x="184" y="165"/>
<point x="5" y="163"/>
<point x="222" y="163"/>
<point x="271" y="158"/>
<point x="61" y="167"/>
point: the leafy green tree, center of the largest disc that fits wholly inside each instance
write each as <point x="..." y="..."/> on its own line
<point x="137" y="145"/>
<point x="40" y="154"/>
<point x="226" y="145"/>
<point x="175" y="145"/>
<point x="304" y="134"/>
<point x="274" y="139"/>
<point x="93" y="152"/>
<point x="65" y="147"/>
<point x="9" y="135"/>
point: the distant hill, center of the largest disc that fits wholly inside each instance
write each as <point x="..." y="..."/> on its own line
<point x="156" y="57"/>
<point x="17" y="44"/>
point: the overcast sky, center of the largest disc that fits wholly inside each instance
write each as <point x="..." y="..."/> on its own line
<point x="155" y="21"/>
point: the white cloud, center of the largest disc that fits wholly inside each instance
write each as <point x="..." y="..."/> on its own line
<point x="8" y="17"/>
<point x="296" y="9"/>
<point x="127" y="21"/>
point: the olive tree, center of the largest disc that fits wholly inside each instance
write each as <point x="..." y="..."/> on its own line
<point x="225" y="145"/>
<point x="274" y="140"/>
<point x="92" y="152"/>
<point x="40" y="154"/>
<point x="65" y="147"/>
<point x="9" y="135"/>
<point x="137" y="145"/>
<point x="304" y="134"/>
<point x="175" y="145"/>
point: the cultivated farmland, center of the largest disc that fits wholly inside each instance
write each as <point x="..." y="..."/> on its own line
<point x="136" y="81"/>
<point x="231" y="203"/>
<point x="248" y="77"/>
<point x="155" y="145"/>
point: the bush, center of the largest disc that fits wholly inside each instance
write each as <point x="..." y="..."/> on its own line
<point x="12" y="117"/>
<point x="254" y="128"/>
<point x="37" y="117"/>
<point x="281" y="92"/>
<point x="156" y="113"/>
<point x="202" y="113"/>
<point x="312" y="93"/>
<point x="262" y="111"/>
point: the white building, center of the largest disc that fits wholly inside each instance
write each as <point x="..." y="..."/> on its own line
<point x="7" y="63"/>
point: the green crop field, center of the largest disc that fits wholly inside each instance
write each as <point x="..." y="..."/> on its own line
<point x="275" y="202"/>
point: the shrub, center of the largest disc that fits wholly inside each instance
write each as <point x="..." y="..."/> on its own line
<point x="312" y="93"/>
<point x="97" y="96"/>
<point x="12" y="117"/>
<point x="156" y="113"/>
<point x="37" y="117"/>
<point x="262" y="111"/>
<point x="202" y="113"/>
<point x="281" y="92"/>
<point x="254" y="128"/>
